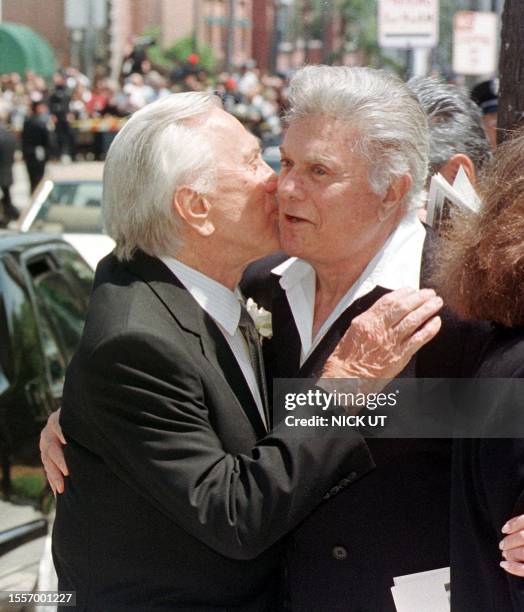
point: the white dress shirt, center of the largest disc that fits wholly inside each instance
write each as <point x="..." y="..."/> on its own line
<point x="396" y="265"/>
<point x="223" y="306"/>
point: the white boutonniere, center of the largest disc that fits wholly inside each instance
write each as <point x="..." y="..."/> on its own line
<point x="261" y="318"/>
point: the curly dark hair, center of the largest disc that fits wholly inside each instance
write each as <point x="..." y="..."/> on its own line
<point x="481" y="271"/>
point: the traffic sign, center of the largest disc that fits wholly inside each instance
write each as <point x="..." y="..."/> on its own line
<point x="408" y="24"/>
<point x="475" y="43"/>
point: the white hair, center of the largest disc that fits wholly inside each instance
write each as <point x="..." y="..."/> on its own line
<point x="155" y="152"/>
<point x="392" y="127"/>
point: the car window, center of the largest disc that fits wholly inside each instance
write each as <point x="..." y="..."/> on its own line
<point x="61" y="311"/>
<point x="78" y="273"/>
<point x="20" y="340"/>
<point x="71" y="207"/>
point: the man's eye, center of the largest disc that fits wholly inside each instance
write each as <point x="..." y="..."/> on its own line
<point x="285" y="163"/>
<point x="319" y="171"/>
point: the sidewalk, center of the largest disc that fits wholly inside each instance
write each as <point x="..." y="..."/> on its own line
<point x="20" y="189"/>
<point x="30" y="565"/>
<point x="19" y="568"/>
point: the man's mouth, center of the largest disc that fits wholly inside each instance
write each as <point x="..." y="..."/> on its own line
<point x="293" y="219"/>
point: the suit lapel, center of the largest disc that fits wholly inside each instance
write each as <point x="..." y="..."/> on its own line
<point x="286" y="360"/>
<point x="215" y="348"/>
<point x="318" y="357"/>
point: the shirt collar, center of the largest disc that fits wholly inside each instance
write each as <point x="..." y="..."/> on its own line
<point x="220" y="303"/>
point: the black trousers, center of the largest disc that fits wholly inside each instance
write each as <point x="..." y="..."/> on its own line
<point x="8" y="211"/>
<point x="35" y="169"/>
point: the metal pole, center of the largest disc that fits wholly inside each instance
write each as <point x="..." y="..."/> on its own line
<point x="275" y="37"/>
<point x="230" y="35"/>
<point x="88" y="41"/>
<point x="196" y="17"/>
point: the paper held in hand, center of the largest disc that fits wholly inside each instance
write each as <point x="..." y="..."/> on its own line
<point x="427" y="591"/>
<point x="444" y="198"/>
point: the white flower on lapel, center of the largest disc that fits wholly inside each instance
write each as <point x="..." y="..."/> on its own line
<point x="261" y="318"/>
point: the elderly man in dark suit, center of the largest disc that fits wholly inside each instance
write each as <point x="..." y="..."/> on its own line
<point x="354" y="163"/>
<point x="178" y="497"/>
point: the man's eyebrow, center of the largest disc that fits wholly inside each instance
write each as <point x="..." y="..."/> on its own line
<point x="315" y="159"/>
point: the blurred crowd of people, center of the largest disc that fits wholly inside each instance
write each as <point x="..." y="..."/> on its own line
<point x="72" y="100"/>
<point x="70" y="116"/>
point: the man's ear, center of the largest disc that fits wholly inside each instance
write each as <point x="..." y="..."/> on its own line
<point x="194" y="209"/>
<point x="392" y="201"/>
<point x="452" y="166"/>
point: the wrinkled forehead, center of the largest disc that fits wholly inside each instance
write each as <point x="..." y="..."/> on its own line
<point x="225" y="134"/>
<point x="321" y="134"/>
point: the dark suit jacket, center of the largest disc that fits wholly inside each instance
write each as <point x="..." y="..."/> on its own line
<point x="34" y="134"/>
<point x="7" y="156"/>
<point x="395" y="519"/>
<point x="488" y="489"/>
<point x="171" y="503"/>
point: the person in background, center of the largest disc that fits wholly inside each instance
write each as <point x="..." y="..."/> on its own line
<point x="456" y="133"/>
<point x="61" y="115"/>
<point x="486" y="95"/>
<point x="8" y="211"/>
<point x="482" y="277"/>
<point x="36" y="143"/>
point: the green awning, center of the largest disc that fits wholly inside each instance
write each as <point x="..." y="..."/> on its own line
<point x="21" y="49"/>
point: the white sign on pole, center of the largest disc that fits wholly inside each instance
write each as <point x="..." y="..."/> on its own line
<point x="475" y="43"/>
<point x="408" y="24"/>
<point x="82" y="14"/>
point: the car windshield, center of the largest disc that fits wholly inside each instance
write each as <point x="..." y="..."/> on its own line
<point x="72" y="207"/>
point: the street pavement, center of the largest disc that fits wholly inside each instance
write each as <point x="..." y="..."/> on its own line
<point x="29" y="566"/>
<point x="20" y="192"/>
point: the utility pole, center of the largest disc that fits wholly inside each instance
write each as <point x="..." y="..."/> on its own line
<point x="230" y="42"/>
<point x="89" y="43"/>
<point x="511" y="69"/>
<point x="196" y="18"/>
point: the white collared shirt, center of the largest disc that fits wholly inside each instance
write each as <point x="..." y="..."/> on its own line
<point x="396" y="265"/>
<point x="223" y="306"/>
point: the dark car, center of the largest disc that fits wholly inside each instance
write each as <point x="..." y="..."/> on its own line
<point x="44" y="291"/>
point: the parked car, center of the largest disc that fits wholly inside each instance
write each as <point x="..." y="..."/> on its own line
<point x="44" y="291"/>
<point x="68" y="202"/>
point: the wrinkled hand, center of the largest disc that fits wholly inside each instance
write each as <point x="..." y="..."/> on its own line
<point x="52" y="454"/>
<point x="381" y="341"/>
<point x="512" y="546"/>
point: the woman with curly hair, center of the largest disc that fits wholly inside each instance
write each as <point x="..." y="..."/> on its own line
<point x="483" y="278"/>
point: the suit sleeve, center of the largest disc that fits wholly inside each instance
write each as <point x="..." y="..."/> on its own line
<point x="146" y="412"/>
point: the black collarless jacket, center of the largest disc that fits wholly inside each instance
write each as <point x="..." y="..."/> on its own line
<point x="395" y="519"/>
<point x="488" y="489"/>
<point x="175" y="500"/>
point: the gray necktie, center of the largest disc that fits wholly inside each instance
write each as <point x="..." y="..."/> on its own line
<point x="252" y="338"/>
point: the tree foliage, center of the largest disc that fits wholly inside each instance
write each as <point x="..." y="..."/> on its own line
<point x="167" y="57"/>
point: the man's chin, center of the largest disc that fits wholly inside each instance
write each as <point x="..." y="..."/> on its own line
<point x="290" y="247"/>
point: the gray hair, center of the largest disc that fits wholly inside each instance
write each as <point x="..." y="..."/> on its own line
<point x="392" y="127"/>
<point x="455" y="123"/>
<point x="155" y="152"/>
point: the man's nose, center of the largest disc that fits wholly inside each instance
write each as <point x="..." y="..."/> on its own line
<point x="289" y="186"/>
